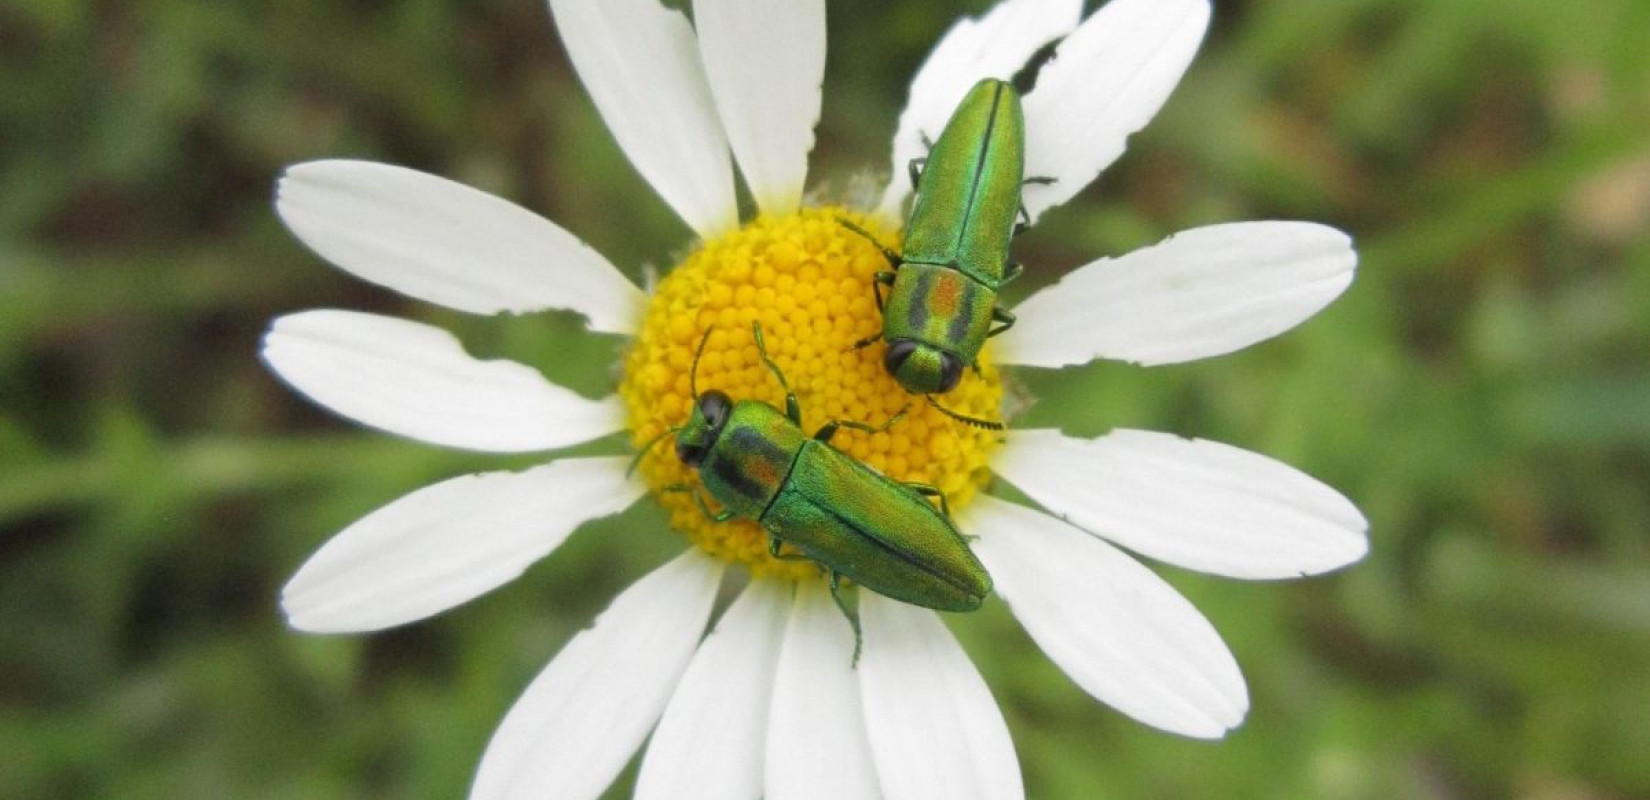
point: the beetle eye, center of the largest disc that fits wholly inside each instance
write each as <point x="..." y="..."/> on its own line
<point x="898" y="351"/>
<point x="950" y="372"/>
<point x="714" y="406"/>
<point x="691" y="453"/>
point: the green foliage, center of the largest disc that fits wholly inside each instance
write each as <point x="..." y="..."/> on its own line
<point x="1481" y="391"/>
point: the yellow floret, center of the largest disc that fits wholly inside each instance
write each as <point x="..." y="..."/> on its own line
<point x="808" y="280"/>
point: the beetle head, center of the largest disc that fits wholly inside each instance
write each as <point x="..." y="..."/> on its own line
<point x="710" y="415"/>
<point x="922" y="368"/>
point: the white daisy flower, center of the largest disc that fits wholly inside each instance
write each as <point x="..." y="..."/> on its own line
<point x="770" y="704"/>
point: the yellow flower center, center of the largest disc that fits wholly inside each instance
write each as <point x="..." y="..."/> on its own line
<point x="808" y="280"/>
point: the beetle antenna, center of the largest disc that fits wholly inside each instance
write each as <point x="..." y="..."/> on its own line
<point x="762" y="350"/>
<point x="634" y="462"/>
<point x="693" y="373"/>
<point x="887" y="252"/>
<point x="972" y="422"/>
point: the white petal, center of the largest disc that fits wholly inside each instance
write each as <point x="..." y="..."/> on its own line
<point x="995" y="45"/>
<point x="640" y="63"/>
<point x="1107" y="80"/>
<point x="1190" y="502"/>
<point x="415" y="380"/>
<point x="1200" y="293"/>
<point x="582" y="717"/>
<point x="935" y="731"/>
<point x="1118" y="630"/>
<point x="447" y="543"/>
<point x="436" y="240"/>
<point x="710" y="742"/>
<point x="766" y="65"/>
<point x="816" y="734"/>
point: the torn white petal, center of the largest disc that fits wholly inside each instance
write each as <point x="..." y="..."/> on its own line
<point x="1200" y="293"/>
<point x="415" y="380"/>
<point x="1106" y="81"/>
<point x="816" y="735"/>
<point x="765" y="62"/>
<point x="444" y="242"/>
<point x="640" y="63"/>
<point x="1120" y="632"/>
<point x="710" y="743"/>
<point x="1191" y="502"/>
<point x="935" y="730"/>
<point x="587" y="712"/>
<point x="445" y="544"/>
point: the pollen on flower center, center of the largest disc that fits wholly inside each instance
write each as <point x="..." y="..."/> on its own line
<point x="808" y="280"/>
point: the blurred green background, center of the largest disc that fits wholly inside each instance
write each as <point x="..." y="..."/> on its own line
<point x="1482" y="391"/>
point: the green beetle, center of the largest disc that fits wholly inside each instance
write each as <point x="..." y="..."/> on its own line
<point x="942" y="300"/>
<point x="886" y="536"/>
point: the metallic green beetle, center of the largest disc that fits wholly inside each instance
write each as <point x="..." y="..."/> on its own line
<point x="943" y="298"/>
<point x="851" y="520"/>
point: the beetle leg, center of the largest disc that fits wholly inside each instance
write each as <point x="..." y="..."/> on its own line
<point x="932" y="491"/>
<point x="721" y="516"/>
<point x="915" y="166"/>
<point x="893" y="257"/>
<point x="774" y="543"/>
<point x="853" y="619"/>
<point x="972" y="422"/>
<point x="836" y="588"/>
<point x="878" y="282"/>
<point x="699" y="500"/>
<point x="1040" y="180"/>
<point x="793" y="409"/>
<point x="829" y="429"/>
<point x="881" y="279"/>
<point x="1013" y="271"/>
<point x="865" y="342"/>
<point x="999" y="314"/>
<point x="1022" y="224"/>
